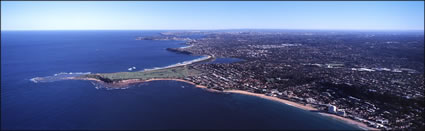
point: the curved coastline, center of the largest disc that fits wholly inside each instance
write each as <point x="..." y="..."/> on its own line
<point x="128" y="82"/>
<point x="304" y="107"/>
<point x="197" y="60"/>
<point x="205" y="58"/>
<point x="283" y="101"/>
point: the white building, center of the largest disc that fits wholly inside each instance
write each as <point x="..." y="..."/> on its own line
<point x="332" y="109"/>
<point x="341" y="112"/>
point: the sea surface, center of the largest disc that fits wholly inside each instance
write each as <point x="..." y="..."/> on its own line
<point x="74" y="104"/>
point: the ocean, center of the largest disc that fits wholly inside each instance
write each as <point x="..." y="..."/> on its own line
<point x="74" y="104"/>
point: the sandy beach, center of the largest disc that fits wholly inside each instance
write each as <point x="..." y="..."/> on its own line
<point x="205" y="58"/>
<point x="304" y="107"/>
<point x="124" y="83"/>
<point x="272" y="98"/>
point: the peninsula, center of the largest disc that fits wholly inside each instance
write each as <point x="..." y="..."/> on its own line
<point x="351" y="76"/>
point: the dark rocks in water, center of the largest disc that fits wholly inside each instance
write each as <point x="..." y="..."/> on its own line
<point x="179" y="51"/>
<point x="106" y="80"/>
<point x="146" y="38"/>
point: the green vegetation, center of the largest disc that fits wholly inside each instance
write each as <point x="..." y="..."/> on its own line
<point x="175" y="72"/>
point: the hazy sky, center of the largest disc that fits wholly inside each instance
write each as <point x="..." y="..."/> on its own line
<point x="143" y="15"/>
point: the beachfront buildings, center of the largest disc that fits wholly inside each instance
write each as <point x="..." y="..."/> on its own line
<point x="332" y="109"/>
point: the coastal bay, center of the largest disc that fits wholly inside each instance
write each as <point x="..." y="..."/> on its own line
<point x="147" y="104"/>
<point x="179" y="71"/>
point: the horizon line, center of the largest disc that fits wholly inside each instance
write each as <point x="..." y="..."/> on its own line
<point x="213" y="29"/>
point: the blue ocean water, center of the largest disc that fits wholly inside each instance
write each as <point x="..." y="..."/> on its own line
<point x="73" y="104"/>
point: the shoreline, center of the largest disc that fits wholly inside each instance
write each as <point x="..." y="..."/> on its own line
<point x="197" y="60"/>
<point x="263" y="96"/>
<point x="205" y="58"/>
<point x="128" y="82"/>
<point x="304" y="107"/>
<point x="123" y="84"/>
<point x="186" y="81"/>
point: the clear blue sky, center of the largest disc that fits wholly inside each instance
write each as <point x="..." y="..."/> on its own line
<point x="144" y="15"/>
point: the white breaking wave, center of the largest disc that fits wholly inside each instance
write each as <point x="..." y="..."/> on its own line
<point x="67" y="75"/>
<point x="186" y="46"/>
<point x="58" y="76"/>
<point x="179" y="64"/>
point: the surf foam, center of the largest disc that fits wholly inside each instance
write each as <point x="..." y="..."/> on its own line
<point x="179" y="64"/>
<point x="58" y="76"/>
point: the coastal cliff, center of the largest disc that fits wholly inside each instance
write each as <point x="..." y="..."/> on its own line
<point x="98" y="77"/>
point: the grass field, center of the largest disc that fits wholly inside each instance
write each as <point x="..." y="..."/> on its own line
<point x="175" y="72"/>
